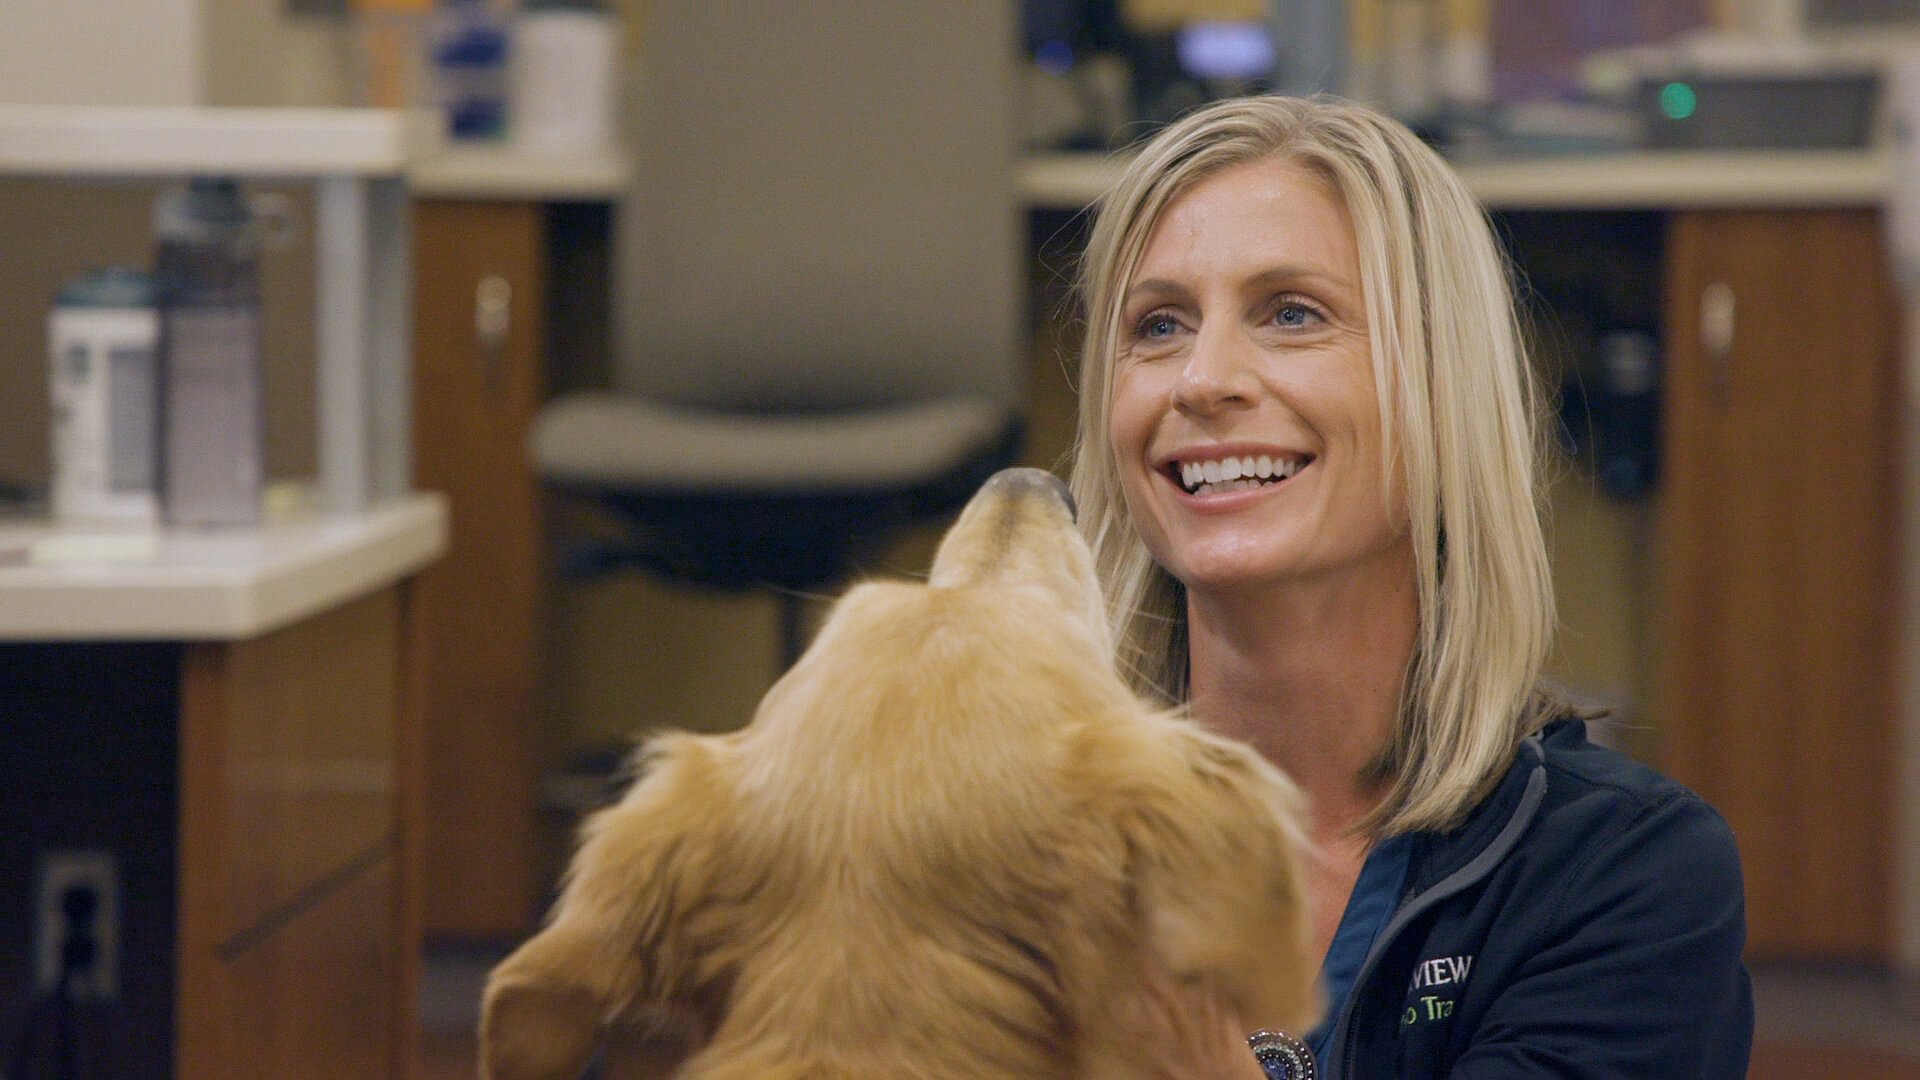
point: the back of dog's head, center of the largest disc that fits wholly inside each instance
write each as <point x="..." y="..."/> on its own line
<point x="1008" y="635"/>
<point x="900" y="788"/>
<point x="942" y="848"/>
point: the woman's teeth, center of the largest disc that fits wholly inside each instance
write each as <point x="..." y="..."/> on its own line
<point x="1235" y="474"/>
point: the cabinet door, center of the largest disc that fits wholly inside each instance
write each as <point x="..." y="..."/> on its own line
<point x="479" y="281"/>
<point x="1780" y="562"/>
<point x="293" y="947"/>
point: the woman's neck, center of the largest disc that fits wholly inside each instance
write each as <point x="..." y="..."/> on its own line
<point x="1311" y="675"/>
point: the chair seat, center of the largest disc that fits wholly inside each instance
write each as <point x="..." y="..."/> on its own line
<point x="621" y="441"/>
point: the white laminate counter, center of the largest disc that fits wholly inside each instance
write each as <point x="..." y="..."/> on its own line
<point x="52" y="140"/>
<point x="1645" y="180"/>
<point x="484" y="172"/>
<point x="68" y="583"/>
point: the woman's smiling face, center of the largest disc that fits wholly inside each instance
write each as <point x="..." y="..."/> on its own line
<point x="1245" y="420"/>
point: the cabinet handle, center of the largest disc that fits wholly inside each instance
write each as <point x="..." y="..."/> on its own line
<point x="1716" y="335"/>
<point x="492" y="322"/>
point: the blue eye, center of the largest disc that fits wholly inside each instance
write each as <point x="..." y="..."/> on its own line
<point x="1156" y="325"/>
<point x="1294" y="315"/>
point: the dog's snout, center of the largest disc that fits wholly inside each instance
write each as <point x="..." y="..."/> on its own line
<point x="1036" y="481"/>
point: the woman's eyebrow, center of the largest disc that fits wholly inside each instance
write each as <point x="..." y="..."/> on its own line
<point x="1155" y="287"/>
<point x="1282" y="274"/>
<point x="1290" y="274"/>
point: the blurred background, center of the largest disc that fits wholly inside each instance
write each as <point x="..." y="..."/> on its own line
<point x="706" y="310"/>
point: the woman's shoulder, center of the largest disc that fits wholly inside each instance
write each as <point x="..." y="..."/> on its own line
<point x="1600" y="803"/>
<point x="1568" y="808"/>
<point x="1569" y="752"/>
<point x="1586" y="772"/>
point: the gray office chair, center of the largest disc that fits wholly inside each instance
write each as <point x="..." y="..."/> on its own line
<point x="820" y="332"/>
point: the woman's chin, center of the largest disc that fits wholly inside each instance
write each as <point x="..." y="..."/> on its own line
<point x="1239" y="571"/>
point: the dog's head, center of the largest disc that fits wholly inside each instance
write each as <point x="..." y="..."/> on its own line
<point x="1009" y="630"/>
<point x="950" y="826"/>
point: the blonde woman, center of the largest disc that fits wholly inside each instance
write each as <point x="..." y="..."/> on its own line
<point x="1308" y="466"/>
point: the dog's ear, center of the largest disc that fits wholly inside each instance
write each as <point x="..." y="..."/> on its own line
<point x="612" y="952"/>
<point x="1215" y="837"/>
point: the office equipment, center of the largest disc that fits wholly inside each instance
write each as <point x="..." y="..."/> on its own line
<point x="1718" y="91"/>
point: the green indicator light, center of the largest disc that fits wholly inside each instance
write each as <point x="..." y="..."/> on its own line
<point x="1678" y="100"/>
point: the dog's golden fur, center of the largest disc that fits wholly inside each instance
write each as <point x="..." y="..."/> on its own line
<point x="950" y="845"/>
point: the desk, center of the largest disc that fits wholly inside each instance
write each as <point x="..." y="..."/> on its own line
<point x="234" y="716"/>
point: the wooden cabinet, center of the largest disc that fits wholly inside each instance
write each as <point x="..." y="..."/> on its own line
<point x="298" y="941"/>
<point x="477" y="334"/>
<point x="1780" y="554"/>
<point x="260" y="798"/>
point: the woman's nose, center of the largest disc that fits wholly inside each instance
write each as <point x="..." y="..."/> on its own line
<point x="1218" y="374"/>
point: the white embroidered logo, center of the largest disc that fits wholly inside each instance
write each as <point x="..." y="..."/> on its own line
<point x="1440" y="971"/>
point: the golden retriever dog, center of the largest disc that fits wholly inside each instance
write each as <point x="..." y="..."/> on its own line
<point x="951" y="845"/>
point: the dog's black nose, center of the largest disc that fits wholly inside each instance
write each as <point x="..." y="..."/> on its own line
<point x="1034" y="480"/>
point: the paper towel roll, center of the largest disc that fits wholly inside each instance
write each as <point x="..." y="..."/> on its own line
<point x="564" y="81"/>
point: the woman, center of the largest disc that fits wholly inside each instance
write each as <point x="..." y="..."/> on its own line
<point x="1308" y="466"/>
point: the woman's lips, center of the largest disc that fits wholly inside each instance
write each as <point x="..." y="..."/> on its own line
<point x="1228" y="494"/>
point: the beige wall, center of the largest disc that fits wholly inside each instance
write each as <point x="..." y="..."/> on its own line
<point x="168" y="52"/>
<point x="101" y="52"/>
<point x="257" y="55"/>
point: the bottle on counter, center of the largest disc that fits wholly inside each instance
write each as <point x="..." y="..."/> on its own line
<point x="467" y="63"/>
<point x="212" y="393"/>
<point x="565" y="83"/>
<point x="103" y="334"/>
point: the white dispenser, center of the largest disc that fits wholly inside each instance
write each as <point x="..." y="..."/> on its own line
<point x="102" y="336"/>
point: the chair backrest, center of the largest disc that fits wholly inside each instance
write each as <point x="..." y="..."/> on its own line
<point x="824" y="214"/>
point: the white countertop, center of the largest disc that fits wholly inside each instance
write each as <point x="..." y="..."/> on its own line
<point x="49" y="140"/>
<point x="67" y="583"/>
<point x="501" y="172"/>
<point x="1645" y="180"/>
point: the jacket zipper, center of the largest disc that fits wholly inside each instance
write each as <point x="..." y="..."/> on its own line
<point x="1345" y="1033"/>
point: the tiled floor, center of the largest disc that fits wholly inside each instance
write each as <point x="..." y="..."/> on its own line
<point x="1813" y="1023"/>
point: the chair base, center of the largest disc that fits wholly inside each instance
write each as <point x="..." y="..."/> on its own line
<point x="785" y="541"/>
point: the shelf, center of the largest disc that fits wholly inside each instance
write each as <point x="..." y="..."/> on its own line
<point x="74" y="583"/>
<point x="504" y="173"/>
<point x="356" y="160"/>
<point x="1642" y="180"/>
<point x="104" y="141"/>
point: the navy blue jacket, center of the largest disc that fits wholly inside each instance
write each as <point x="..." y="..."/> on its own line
<point x="1585" y="921"/>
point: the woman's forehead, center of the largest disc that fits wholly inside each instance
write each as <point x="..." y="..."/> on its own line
<point x="1254" y="220"/>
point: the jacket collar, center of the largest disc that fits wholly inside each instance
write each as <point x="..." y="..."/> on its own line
<point x="1446" y="863"/>
<point x="1442" y="854"/>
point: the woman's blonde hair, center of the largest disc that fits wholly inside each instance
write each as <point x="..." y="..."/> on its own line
<point x="1458" y="408"/>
